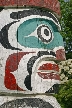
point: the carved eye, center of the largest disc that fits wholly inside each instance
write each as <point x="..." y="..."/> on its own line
<point x="44" y="33"/>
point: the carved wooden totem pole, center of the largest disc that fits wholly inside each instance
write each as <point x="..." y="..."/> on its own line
<point x="30" y="48"/>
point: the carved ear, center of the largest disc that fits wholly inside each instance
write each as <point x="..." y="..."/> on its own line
<point x="27" y="82"/>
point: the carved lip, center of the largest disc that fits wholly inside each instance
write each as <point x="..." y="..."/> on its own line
<point x="49" y="66"/>
<point x="51" y="75"/>
<point x="49" y="71"/>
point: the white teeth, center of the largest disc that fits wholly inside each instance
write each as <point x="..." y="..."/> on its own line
<point x="46" y="71"/>
<point x="44" y="62"/>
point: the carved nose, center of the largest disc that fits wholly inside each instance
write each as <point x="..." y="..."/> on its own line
<point x="60" y="54"/>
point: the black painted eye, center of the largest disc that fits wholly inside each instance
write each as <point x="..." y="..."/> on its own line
<point x="44" y="33"/>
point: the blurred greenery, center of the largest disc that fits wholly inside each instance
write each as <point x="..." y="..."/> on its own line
<point x="66" y="25"/>
<point x="64" y="96"/>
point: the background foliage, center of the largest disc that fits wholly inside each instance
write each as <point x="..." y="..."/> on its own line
<point x="65" y="70"/>
<point x="64" y="96"/>
<point x="66" y="24"/>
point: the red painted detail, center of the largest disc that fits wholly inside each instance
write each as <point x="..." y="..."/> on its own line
<point x="49" y="66"/>
<point x="60" y="54"/>
<point x="10" y="82"/>
<point x="51" y="75"/>
<point x="50" y="4"/>
<point x="11" y="66"/>
<point x="13" y="61"/>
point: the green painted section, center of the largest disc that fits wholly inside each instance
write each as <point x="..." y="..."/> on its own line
<point x="29" y="26"/>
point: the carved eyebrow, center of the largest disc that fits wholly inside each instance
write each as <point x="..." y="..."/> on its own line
<point x="25" y="13"/>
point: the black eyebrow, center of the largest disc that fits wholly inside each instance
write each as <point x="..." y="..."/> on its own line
<point x="25" y="13"/>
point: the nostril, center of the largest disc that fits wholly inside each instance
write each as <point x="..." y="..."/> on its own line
<point x="46" y="32"/>
<point x="52" y="53"/>
<point x="41" y="53"/>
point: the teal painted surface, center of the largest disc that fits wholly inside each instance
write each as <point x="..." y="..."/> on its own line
<point x="29" y="26"/>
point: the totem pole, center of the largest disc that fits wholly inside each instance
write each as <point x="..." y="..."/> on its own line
<point x="30" y="48"/>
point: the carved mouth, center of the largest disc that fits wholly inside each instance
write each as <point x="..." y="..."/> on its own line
<point x="48" y="70"/>
<point x="43" y="63"/>
<point x="51" y="75"/>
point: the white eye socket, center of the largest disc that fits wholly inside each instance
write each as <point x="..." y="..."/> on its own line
<point x="44" y="33"/>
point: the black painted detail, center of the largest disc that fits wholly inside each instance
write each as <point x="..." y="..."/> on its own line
<point x="41" y="36"/>
<point x="4" y="37"/>
<point x="1" y="8"/>
<point x="27" y="103"/>
<point x="27" y="82"/>
<point x="53" y="89"/>
<point x="25" y="13"/>
<point x="41" y="53"/>
<point x="46" y="32"/>
<point x="52" y="53"/>
<point x="30" y="63"/>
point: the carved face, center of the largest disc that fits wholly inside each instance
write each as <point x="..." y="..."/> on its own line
<point x="30" y="45"/>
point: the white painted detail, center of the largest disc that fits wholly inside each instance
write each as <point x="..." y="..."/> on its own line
<point x="21" y="73"/>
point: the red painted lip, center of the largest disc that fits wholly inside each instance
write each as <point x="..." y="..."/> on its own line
<point x="49" y="66"/>
<point x="51" y="75"/>
<point x="54" y="68"/>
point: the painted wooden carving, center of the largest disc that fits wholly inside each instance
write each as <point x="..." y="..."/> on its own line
<point x="30" y="47"/>
<point x="29" y="102"/>
<point x="49" y="4"/>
